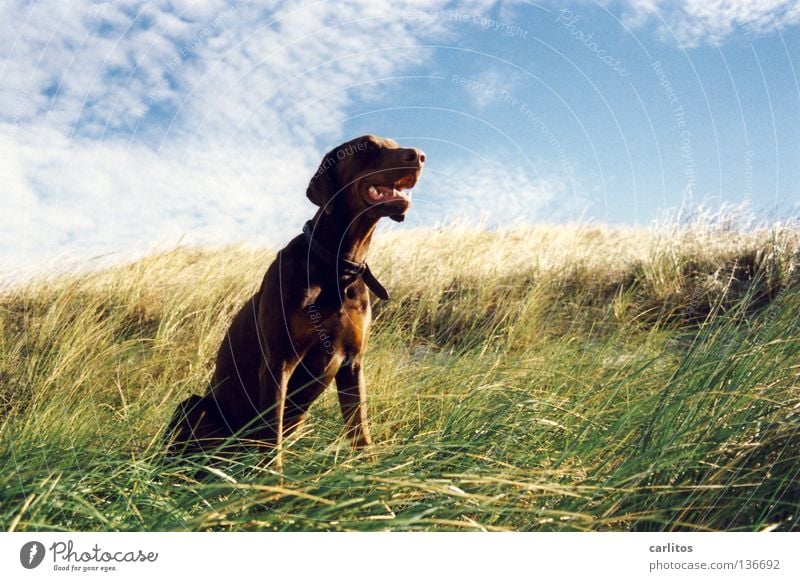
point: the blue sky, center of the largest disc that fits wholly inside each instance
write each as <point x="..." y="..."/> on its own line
<point x="130" y="126"/>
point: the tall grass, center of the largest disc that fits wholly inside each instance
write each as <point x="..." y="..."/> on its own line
<point x="540" y="378"/>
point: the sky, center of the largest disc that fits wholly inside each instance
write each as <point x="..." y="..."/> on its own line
<point x="128" y="127"/>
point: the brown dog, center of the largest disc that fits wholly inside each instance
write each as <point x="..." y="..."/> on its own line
<point x="309" y="321"/>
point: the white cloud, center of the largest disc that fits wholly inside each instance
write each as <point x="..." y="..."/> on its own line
<point x="105" y="196"/>
<point x="127" y="125"/>
<point x="692" y="22"/>
<point x="494" y="192"/>
<point x="489" y="86"/>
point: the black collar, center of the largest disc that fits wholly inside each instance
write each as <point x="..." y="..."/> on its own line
<point x="346" y="269"/>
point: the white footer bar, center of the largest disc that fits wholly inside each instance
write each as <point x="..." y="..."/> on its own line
<point x="416" y="556"/>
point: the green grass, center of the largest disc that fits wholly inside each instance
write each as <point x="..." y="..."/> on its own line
<point x="570" y="378"/>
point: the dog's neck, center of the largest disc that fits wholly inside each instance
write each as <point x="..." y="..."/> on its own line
<point x="346" y="238"/>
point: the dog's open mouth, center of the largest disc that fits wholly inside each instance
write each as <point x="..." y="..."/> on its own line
<point x="399" y="190"/>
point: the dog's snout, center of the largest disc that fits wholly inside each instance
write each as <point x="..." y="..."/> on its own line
<point x="413" y="155"/>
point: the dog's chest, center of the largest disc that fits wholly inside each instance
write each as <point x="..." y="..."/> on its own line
<point x="341" y="327"/>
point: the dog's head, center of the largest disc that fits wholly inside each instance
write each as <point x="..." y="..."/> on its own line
<point x="370" y="175"/>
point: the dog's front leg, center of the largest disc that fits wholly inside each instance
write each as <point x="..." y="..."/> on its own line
<point x="352" y="391"/>
<point x="274" y="383"/>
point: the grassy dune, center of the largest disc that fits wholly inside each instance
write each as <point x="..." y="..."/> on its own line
<point x="545" y="378"/>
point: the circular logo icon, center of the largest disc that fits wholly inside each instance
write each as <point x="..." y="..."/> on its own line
<point x="31" y="554"/>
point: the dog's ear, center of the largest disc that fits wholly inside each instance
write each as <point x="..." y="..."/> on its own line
<point x="323" y="186"/>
